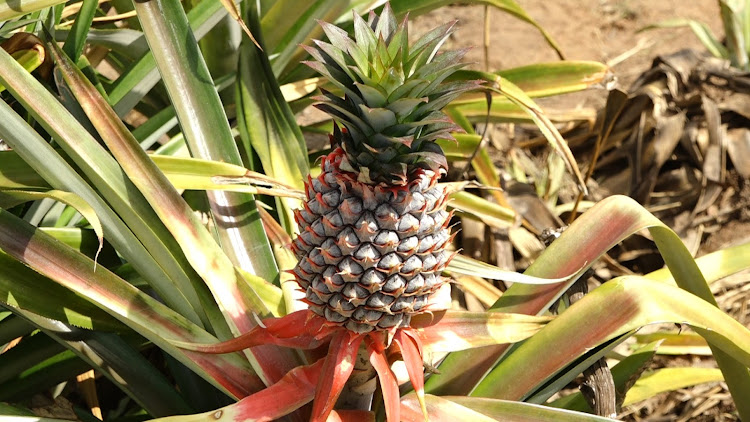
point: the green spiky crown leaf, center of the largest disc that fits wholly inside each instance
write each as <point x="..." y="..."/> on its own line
<point x="393" y="94"/>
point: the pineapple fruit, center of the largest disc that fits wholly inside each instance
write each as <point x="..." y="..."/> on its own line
<point x="374" y="228"/>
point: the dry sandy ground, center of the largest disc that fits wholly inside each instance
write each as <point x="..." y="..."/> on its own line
<point x="600" y="30"/>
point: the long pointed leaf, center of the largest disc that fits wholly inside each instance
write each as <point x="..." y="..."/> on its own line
<point x="117" y="360"/>
<point x="207" y="132"/>
<point x="207" y="258"/>
<point x="337" y="367"/>
<point x="291" y="392"/>
<point x="619" y="306"/>
<point x="387" y="379"/>
<point x="416" y="7"/>
<point x="139" y="311"/>
<point x="152" y="251"/>
<point x="453" y="408"/>
<point x="600" y="228"/>
<point x="451" y="331"/>
<point x="267" y="126"/>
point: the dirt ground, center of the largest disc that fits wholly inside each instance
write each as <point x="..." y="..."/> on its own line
<point x="600" y="30"/>
<point x="607" y="31"/>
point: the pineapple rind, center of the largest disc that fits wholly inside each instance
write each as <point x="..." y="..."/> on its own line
<point x="370" y="256"/>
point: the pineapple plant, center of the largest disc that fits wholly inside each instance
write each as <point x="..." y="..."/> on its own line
<point x="374" y="228"/>
<point x="374" y="231"/>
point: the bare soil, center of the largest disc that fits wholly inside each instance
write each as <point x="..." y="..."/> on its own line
<point x="600" y="30"/>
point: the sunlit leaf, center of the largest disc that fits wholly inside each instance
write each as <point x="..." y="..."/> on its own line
<point x="492" y="214"/>
<point x="450" y="331"/>
<point x="669" y="379"/>
<point x="462" y="264"/>
<point x="701" y="30"/>
<point x="619" y="306"/>
<point x="292" y="391"/>
<point x="519" y="98"/>
<point x="230" y="288"/>
<point x="120" y="299"/>
<point x="129" y="219"/>
<point x="416" y="7"/>
<point x="27" y="49"/>
<point x="600" y="228"/>
<point x="206" y="133"/>
<point x="11" y="198"/>
<point x="457" y="408"/>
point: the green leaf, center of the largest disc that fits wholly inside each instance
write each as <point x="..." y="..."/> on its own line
<point x="289" y="23"/>
<point x="86" y="242"/>
<point x="713" y="266"/>
<point x="267" y="126"/>
<point x="518" y="97"/>
<point x="120" y="362"/>
<point x="732" y="16"/>
<point x="76" y="40"/>
<point x="676" y="343"/>
<point x="26" y="354"/>
<point x="43" y="376"/>
<point x="26" y="289"/>
<point x="619" y="306"/>
<point x="128" y="42"/>
<point x="669" y="379"/>
<point x="15" y="173"/>
<point x="10" y="9"/>
<point x="196" y="174"/>
<point x="11" y="198"/>
<point x="546" y="79"/>
<point x="600" y="228"/>
<point x="8" y="410"/>
<point x="294" y="390"/>
<point x="134" y="308"/>
<point x="141" y="76"/>
<point x="26" y="49"/>
<point x="504" y="111"/>
<point x="207" y="132"/>
<point x="622" y="374"/>
<point x="457" y="408"/>
<point x="463" y="264"/>
<point x="208" y="136"/>
<point x="450" y="331"/>
<point x="490" y="213"/>
<point x="104" y="172"/>
<point x="462" y="148"/>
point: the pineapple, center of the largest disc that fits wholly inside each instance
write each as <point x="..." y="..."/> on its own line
<point x="374" y="228"/>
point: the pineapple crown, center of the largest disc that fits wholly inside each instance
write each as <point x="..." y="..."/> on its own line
<point x="393" y="94"/>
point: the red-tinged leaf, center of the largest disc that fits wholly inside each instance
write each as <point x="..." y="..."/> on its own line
<point x="336" y="370"/>
<point x="388" y="383"/>
<point x="292" y="391"/>
<point x="234" y="296"/>
<point x="603" y="226"/>
<point x="461" y="408"/>
<point x="299" y="330"/>
<point x="411" y="350"/>
<point x="618" y="306"/>
<point x="438" y="410"/>
<point x="451" y="331"/>
<point x="351" y="416"/>
<point x="122" y="300"/>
